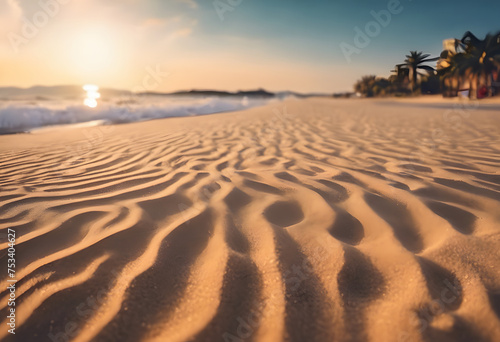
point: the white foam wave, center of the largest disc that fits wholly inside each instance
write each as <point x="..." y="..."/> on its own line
<point x="21" y="116"/>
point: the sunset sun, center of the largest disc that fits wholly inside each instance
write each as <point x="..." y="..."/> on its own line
<point x="92" y="50"/>
<point x="92" y="95"/>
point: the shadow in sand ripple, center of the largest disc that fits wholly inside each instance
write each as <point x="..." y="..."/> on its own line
<point x="239" y="311"/>
<point x="66" y="235"/>
<point x="359" y="281"/>
<point x="235" y="239"/>
<point x="308" y="315"/>
<point x="154" y="294"/>
<point x="237" y="199"/>
<point x="347" y="228"/>
<point x="463" y="221"/>
<point x="284" y="213"/>
<point x="262" y="187"/>
<point x="466" y="187"/>
<point x="348" y="178"/>
<point x="442" y="284"/>
<point x="339" y="192"/>
<point x="160" y="208"/>
<point x="53" y="321"/>
<point x="398" y="217"/>
<point x="460" y="331"/>
<point x="494" y="297"/>
<point x="359" y="284"/>
<point x="287" y="176"/>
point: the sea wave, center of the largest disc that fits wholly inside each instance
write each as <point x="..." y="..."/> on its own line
<point x="23" y="116"/>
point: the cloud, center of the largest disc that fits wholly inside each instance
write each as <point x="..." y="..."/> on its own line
<point x="184" y="32"/>
<point x="168" y="29"/>
<point x="25" y="8"/>
<point x="184" y="29"/>
<point x="191" y="3"/>
<point x="153" y="23"/>
<point x="10" y="18"/>
<point x="14" y="6"/>
<point x="10" y="13"/>
<point x="156" y="23"/>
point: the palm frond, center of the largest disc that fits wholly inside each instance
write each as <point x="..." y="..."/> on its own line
<point x="426" y="67"/>
<point x="430" y="59"/>
<point x="470" y="38"/>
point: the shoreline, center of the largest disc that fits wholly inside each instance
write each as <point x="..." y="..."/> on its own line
<point x="438" y="100"/>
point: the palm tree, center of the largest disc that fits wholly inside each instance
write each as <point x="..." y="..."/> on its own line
<point x="365" y="85"/>
<point x="449" y="72"/>
<point x="415" y="61"/>
<point x="478" y="60"/>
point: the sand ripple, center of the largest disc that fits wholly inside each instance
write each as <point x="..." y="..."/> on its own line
<point x="318" y="220"/>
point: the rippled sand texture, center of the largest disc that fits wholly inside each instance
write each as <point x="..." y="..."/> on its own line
<point x="307" y="220"/>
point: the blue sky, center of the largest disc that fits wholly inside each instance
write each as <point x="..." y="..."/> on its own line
<point x="313" y="30"/>
<point x="274" y="44"/>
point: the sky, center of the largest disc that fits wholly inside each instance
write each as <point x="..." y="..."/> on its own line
<point x="168" y="45"/>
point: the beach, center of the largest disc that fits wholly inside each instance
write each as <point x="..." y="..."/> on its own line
<point x="302" y="220"/>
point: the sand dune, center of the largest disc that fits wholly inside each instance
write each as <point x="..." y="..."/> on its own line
<point x="307" y="220"/>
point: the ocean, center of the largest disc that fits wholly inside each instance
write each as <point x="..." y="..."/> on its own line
<point x="30" y="113"/>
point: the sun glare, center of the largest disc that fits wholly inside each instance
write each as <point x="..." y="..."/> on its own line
<point x="92" y="50"/>
<point x="92" y="95"/>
